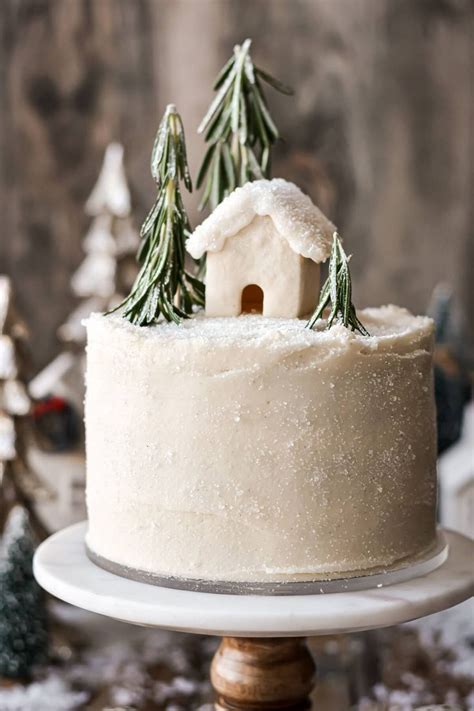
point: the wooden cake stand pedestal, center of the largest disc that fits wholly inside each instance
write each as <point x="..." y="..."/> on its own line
<point x="263" y="661"/>
<point x="263" y="673"/>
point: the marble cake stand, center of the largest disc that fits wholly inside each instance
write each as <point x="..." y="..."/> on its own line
<point x="263" y="661"/>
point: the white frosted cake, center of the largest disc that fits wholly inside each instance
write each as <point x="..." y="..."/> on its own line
<point x="254" y="449"/>
<point x="246" y="443"/>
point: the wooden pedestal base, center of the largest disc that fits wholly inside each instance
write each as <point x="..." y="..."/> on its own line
<point x="258" y="674"/>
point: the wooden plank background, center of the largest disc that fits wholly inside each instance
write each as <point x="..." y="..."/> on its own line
<point x="379" y="132"/>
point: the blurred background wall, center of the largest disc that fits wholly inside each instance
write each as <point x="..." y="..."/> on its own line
<point x="379" y="131"/>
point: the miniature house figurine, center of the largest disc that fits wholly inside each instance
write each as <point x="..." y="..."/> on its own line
<point x="264" y="245"/>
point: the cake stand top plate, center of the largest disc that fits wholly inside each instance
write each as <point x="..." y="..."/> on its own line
<point x="62" y="567"/>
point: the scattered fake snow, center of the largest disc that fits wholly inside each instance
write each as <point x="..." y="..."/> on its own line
<point x="51" y="694"/>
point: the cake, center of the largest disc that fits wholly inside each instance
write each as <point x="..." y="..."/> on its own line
<point x="245" y="447"/>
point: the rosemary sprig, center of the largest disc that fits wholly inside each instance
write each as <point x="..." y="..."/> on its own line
<point x="238" y="128"/>
<point x="337" y="290"/>
<point x="163" y="287"/>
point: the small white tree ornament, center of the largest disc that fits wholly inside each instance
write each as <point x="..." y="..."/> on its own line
<point x="18" y="483"/>
<point x="108" y="269"/>
<point x="100" y="281"/>
<point x="264" y="245"/>
<point x="14" y="401"/>
<point x="110" y="193"/>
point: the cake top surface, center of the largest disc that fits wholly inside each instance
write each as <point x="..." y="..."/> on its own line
<point x="296" y="218"/>
<point x="386" y="324"/>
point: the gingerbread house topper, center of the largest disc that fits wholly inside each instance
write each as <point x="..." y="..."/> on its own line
<point x="264" y="244"/>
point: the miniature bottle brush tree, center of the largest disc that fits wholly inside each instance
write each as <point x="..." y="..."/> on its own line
<point x="23" y="615"/>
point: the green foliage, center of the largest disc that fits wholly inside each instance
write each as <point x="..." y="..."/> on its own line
<point x="238" y="128"/>
<point x="337" y="290"/>
<point x="163" y="286"/>
<point x="23" y="620"/>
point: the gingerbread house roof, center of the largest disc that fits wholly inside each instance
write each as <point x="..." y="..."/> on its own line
<point x="296" y="218"/>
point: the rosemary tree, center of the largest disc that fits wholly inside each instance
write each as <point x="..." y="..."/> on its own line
<point x="337" y="290"/>
<point x="238" y="128"/>
<point x="163" y="286"/>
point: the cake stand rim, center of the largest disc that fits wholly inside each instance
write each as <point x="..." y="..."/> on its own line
<point x="63" y="569"/>
<point x="421" y="565"/>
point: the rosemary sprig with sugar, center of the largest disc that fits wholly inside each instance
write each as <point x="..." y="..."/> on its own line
<point x="238" y="128"/>
<point x="337" y="291"/>
<point x="163" y="287"/>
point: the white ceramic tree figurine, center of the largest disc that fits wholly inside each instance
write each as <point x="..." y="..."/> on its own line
<point x="101" y="280"/>
<point x="110" y="244"/>
<point x="17" y="482"/>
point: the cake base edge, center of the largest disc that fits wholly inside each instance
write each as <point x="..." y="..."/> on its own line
<point x="345" y="582"/>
